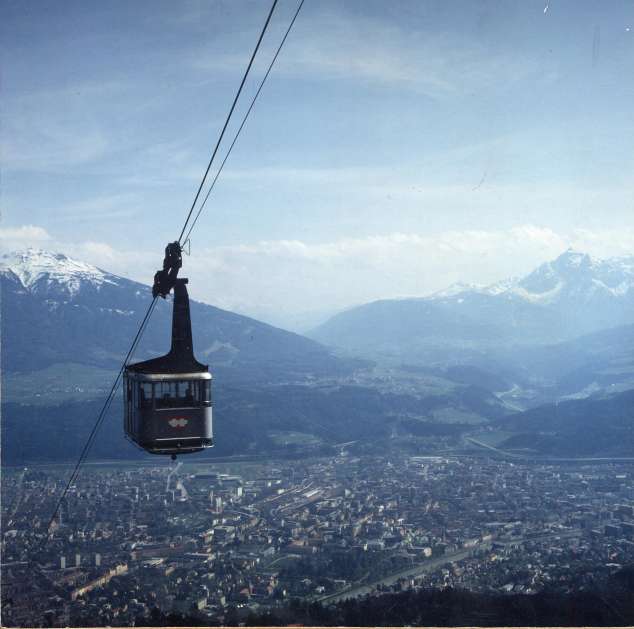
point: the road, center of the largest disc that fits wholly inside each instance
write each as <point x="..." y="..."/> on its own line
<point x="431" y="564"/>
<point x="413" y="571"/>
<point x="487" y="446"/>
<point x="546" y="458"/>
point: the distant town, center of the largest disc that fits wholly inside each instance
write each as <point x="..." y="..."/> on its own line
<point x="217" y="541"/>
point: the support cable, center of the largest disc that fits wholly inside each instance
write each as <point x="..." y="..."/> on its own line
<point x="244" y="120"/>
<point x="224" y="128"/>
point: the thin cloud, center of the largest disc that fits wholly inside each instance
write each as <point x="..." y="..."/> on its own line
<point x="338" y="46"/>
<point x="23" y="236"/>
<point x="51" y="130"/>
<point x="272" y="279"/>
<point x="371" y="51"/>
<point x="109" y="207"/>
<point x="292" y="276"/>
<point x="278" y="279"/>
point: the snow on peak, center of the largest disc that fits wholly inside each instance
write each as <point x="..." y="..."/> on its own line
<point x="572" y="276"/>
<point x="34" y="266"/>
<point x="500" y="287"/>
<point x="572" y="258"/>
<point x="456" y="289"/>
<point x="461" y="287"/>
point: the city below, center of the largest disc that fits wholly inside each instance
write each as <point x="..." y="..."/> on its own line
<point x="215" y="542"/>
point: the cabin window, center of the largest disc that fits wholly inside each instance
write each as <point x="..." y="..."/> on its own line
<point x="182" y="393"/>
<point x="166" y="394"/>
<point x="145" y="395"/>
<point x="205" y="391"/>
<point x="189" y="392"/>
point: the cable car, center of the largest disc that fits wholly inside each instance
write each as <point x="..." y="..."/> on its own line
<point x="167" y="400"/>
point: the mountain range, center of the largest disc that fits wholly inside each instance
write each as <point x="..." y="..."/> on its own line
<point x="58" y="310"/>
<point x="67" y="325"/>
<point x="561" y="300"/>
<point x="415" y="372"/>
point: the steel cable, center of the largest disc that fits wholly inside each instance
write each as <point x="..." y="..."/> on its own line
<point x="224" y="128"/>
<point x="244" y="120"/>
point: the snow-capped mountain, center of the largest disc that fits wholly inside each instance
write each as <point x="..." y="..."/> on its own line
<point x="562" y="299"/>
<point x="40" y="271"/>
<point x="57" y="310"/>
<point x="572" y="276"/>
<point x="588" y="294"/>
<point x="576" y="276"/>
<point x="458" y="288"/>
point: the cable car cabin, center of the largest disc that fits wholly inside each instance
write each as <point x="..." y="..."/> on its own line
<point x="169" y="413"/>
<point x="168" y="399"/>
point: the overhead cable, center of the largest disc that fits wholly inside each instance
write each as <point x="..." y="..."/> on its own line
<point x="244" y="120"/>
<point x="224" y="128"/>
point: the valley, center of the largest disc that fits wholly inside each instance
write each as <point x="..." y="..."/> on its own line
<point x="279" y="392"/>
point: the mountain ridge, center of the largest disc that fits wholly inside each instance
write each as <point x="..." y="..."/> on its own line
<point x="67" y="325"/>
<point x="593" y="426"/>
<point x="559" y="300"/>
<point x="37" y="269"/>
<point x="91" y="317"/>
<point x="542" y="283"/>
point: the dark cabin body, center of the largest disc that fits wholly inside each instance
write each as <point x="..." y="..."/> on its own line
<point x="168" y="399"/>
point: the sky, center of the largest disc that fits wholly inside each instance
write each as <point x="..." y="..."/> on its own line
<point x="396" y="148"/>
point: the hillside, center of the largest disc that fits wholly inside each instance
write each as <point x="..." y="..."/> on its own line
<point x="56" y="310"/>
<point x="588" y="427"/>
<point x="601" y="362"/>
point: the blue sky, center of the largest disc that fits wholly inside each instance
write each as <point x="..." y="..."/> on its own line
<point x="396" y="148"/>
